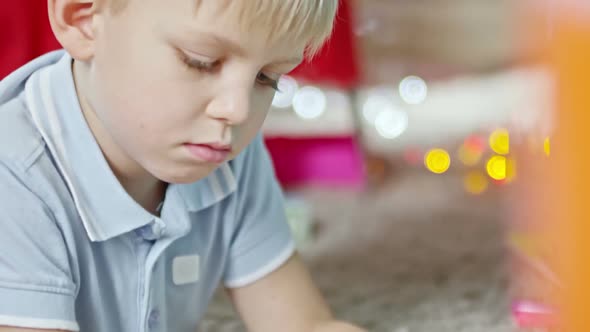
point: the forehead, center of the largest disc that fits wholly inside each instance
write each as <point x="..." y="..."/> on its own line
<point x="261" y="26"/>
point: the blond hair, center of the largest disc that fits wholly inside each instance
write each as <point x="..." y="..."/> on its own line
<point x="307" y="22"/>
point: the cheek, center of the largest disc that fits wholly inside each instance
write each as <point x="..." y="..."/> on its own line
<point x="136" y="94"/>
<point x="260" y="106"/>
<point x="261" y="101"/>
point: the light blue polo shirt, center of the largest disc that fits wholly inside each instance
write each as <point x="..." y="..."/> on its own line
<point x="78" y="253"/>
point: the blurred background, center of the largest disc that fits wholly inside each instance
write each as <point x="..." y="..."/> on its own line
<point x="399" y="148"/>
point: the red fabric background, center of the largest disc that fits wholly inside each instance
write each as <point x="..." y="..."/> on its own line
<point x="25" y="33"/>
<point x="337" y="63"/>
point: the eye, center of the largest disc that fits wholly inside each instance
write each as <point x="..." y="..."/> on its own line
<point x="193" y="63"/>
<point x="265" y="80"/>
<point x="202" y="65"/>
<point x="210" y="66"/>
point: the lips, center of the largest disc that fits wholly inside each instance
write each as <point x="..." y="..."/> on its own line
<point x="211" y="153"/>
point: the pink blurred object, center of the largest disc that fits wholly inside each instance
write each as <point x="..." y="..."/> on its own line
<point x="318" y="161"/>
<point x="532" y="315"/>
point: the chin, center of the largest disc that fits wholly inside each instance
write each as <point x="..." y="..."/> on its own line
<point x="184" y="176"/>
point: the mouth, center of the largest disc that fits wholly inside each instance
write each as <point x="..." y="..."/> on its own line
<point x="210" y="152"/>
<point x="217" y="146"/>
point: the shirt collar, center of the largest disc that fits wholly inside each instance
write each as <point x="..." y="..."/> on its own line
<point x="211" y="190"/>
<point x="104" y="206"/>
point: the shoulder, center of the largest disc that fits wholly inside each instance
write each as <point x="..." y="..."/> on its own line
<point x="28" y="223"/>
<point x="21" y="141"/>
<point x="26" y="165"/>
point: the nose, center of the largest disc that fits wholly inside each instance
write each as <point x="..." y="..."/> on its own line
<point x="232" y="106"/>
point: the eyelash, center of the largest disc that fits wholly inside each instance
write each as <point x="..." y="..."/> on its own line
<point x="209" y="67"/>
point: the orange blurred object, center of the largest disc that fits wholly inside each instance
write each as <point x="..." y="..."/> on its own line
<point x="570" y="175"/>
<point x="557" y="189"/>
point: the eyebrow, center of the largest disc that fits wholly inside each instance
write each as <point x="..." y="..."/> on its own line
<point x="226" y="43"/>
<point x="290" y="61"/>
<point x="235" y="48"/>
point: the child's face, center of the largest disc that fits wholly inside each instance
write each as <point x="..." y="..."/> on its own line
<point x="161" y="79"/>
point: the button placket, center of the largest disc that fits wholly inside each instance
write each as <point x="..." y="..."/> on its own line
<point x="153" y="318"/>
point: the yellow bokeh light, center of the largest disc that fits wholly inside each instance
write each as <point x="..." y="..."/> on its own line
<point x="500" y="141"/>
<point x="475" y="182"/>
<point x="496" y="168"/>
<point x="547" y="146"/>
<point x="437" y="161"/>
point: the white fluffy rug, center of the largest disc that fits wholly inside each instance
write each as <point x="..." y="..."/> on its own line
<point x="417" y="255"/>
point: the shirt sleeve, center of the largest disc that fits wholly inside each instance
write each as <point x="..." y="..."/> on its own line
<point x="262" y="239"/>
<point x="36" y="284"/>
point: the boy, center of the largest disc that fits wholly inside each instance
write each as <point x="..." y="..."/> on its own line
<point x="133" y="177"/>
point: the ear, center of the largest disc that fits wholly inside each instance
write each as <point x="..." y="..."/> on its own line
<point x="72" y="24"/>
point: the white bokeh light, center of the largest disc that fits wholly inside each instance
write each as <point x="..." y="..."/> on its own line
<point x="310" y="102"/>
<point x="374" y="105"/>
<point x="391" y="123"/>
<point x="367" y="26"/>
<point x="287" y="89"/>
<point x="413" y="90"/>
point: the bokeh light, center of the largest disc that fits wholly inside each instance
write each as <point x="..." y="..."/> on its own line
<point x="500" y="141"/>
<point x="475" y="182"/>
<point x="469" y="157"/>
<point x="413" y="156"/>
<point x="413" y="90"/>
<point x="496" y="168"/>
<point x="374" y="105"/>
<point x="476" y="142"/>
<point x="287" y="87"/>
<point x="437" y="161"/>
<point x="547" y="146"/>
<point x="366" y="27"/>
<point x="471" y="151"/>
<point x="390" y="124"/>
<point x="310" y="102"/>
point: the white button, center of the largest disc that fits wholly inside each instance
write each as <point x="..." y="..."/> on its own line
<point x="154" y="318"/>
<point x="158" y="228"/>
